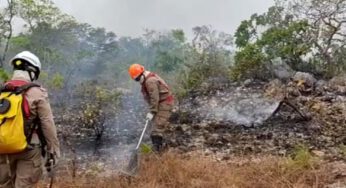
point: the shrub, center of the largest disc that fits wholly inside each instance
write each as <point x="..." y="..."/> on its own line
<point x="94" y="104"/>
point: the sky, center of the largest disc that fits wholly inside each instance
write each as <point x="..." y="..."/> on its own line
<point x="132" y="17"/>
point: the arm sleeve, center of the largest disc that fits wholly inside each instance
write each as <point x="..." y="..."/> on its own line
<point x="47" y="124"/>
<point x="154" y="95"/>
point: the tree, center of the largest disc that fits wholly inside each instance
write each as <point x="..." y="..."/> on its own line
<point x="274" y="34"/>
<point x="249" y="31"/>
<point x="208" y="56"/>
<point x="169" y="50"/>
<point x="104" y="47"/>
<point x="327" y="21"/>
<point x="207" y="40"/>
<point x="6" y="28"/>
<point x="34" y="12"/>
<point x="287" y="42"/>
<point x="247" y="63"/>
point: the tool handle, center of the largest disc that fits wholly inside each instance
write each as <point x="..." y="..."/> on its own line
<point x="142" y="135"/>
<point x="49" y="165"/>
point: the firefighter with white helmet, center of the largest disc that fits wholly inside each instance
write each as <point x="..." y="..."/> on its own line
<point x="23" y="169"/>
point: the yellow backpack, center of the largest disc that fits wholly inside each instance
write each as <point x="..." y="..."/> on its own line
<point x="14" y="113"/>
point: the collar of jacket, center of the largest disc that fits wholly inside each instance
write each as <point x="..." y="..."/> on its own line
<point x="145" y="75"/>
<point x="21" y="75"/>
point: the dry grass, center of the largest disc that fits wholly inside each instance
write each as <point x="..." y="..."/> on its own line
<point x="178" y="171"/>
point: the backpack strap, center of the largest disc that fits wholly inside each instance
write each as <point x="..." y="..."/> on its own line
<point x="145" y="90"/>
<point x="26" y="109"/>
<point x="144" y="87"/>
<point x="26" y="87"/>
<point x="22" y="90"/>
<point x="17" y="86"/>
<point x="160" y="82"/>
<point x="154" y="75"/>
<point x="31" y="132"/>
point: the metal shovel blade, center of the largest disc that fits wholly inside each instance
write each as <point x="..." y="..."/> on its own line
<point x="133" y="165"/>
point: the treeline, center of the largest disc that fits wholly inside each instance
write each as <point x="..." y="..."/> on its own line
<point x="306" y="35"/>
<point x="72" y="51"/>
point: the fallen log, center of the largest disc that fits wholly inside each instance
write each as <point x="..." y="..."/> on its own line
<point x="287" y="102"/>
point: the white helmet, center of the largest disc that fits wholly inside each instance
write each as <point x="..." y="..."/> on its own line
<point x="31" y="62"/>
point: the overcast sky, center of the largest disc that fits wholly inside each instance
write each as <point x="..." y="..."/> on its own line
<point x="131" y="17"/>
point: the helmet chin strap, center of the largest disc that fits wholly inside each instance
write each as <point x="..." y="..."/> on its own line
<point x="31" y="73"/>
<point x="32" y="76"/>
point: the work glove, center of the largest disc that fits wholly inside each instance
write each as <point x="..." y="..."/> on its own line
<point x="50" y="162"/>
<point x="150" y="116"/>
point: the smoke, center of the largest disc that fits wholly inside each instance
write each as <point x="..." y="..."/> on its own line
<point x="243" y="111"/>
<point x="95" y="55"/>
<point x="112" y="152"/>
<point x="237" y="106"/>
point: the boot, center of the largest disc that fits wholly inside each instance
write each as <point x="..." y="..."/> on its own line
<point x="157" y="142"/>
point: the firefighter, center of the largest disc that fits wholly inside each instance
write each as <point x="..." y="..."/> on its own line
<point x="160" y="100"/>
<point x="24" y="169"/>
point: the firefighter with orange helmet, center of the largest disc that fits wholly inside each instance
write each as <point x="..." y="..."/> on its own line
<point x="160" y="100"/>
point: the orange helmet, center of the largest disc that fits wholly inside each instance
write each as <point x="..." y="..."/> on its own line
<point x="135" y="70"/>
